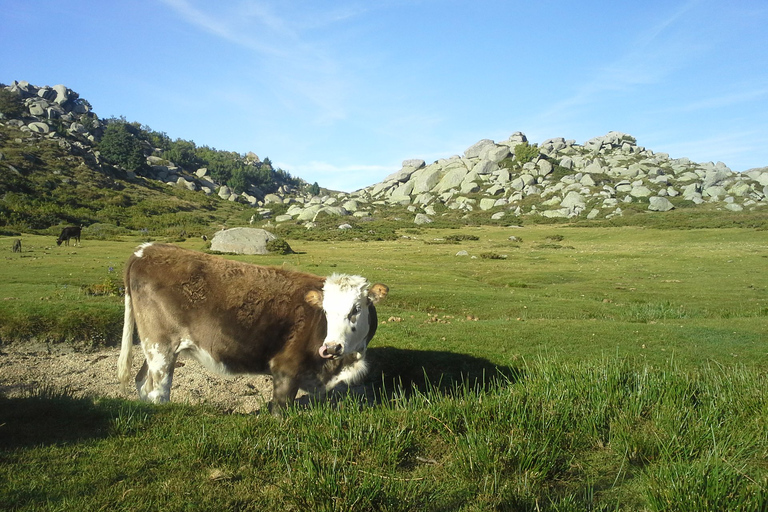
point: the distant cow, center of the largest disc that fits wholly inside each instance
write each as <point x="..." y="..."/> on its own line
<point x="67" y="234"/>
<point x="307" y="331"/>
<point x="17" y="245"/>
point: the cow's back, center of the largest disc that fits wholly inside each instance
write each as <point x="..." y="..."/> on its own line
<point x="242" y="315"/>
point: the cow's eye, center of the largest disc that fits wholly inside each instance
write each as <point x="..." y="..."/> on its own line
<point x="355" y="311"/>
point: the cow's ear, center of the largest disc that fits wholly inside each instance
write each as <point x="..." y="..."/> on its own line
<point x="377" y="292"/>
<point x="315" y="298"/>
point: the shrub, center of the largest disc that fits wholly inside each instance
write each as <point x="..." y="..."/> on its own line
<point x="10" y="104"/>
<point x="525" y="152"/>
<point x="120" y="147"/>
<point x="279" y="246"/>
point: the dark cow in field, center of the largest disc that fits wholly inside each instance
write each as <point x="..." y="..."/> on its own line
<point x="17" y="245"/>
<point x="68" y="233"/>
<point x="306" y="331"/>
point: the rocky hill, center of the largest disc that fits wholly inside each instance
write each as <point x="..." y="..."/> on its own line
<point x="494" y="181"/>
<point x="556" y="179"/>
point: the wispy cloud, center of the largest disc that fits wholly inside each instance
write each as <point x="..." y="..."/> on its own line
<point x="305" y="71"/>
<point x="650" y="58"/>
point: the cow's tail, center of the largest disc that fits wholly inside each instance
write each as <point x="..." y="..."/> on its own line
<point x="126" y="348"/>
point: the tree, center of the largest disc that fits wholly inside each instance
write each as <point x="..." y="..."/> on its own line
<point x="119" y="146"/>
<point x="314" y="189"/>
<point x="11" y="105"/>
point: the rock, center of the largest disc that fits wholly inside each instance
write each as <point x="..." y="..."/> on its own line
<point x="345" y="226"/>
<point x="38" y="127"/>
<point x="422" y="219"/>
<point x="497" y="216"/>
<point x="452" y="179"/>
<point x="426" y="179"/>
<point x="462" y="253"/>
<point x="225" y="192"/>
<point x="573" y="200"/>
<point x="660" y="204"/>
<point x="242" y="241"/>
<point x="477" y="149"/>
<point x="273" y="199"/>
<point x="487" y="203"/>
<point x="415" y="163"/>
<point x="640" y="191"/>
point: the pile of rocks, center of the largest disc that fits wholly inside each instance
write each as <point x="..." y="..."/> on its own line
<point x="563" y="180"/>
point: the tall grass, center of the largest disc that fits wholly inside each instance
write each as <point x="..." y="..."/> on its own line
<point x="607" y="435"/>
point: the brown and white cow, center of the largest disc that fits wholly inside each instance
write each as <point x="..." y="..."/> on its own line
<point x="307" y="331"/>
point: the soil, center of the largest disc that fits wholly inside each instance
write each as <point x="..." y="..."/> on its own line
<point x="26" y="367"/>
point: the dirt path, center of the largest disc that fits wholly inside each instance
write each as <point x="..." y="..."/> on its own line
<point x="26" y="367"/>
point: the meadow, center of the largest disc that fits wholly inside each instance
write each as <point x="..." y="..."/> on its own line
<point x="574" y="368"/>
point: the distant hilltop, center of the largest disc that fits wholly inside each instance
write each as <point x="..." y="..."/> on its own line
<point x="557" y="178"/>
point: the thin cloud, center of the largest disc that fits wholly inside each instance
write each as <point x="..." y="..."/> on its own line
<point x="305" y="72"/>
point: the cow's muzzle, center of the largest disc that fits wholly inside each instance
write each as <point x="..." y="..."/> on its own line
<point x="330" y="350"/>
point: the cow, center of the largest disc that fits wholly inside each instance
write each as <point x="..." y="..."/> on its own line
<point x="307" y="331"/>
<point x="16" y="245"/>
<point x="68" y="233"/>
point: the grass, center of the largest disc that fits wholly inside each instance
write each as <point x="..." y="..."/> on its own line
<point x="607" y="435"/>
<point x="623" y="373"/>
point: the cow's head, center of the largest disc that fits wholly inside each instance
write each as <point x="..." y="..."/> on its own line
<point x="347" y="302"/>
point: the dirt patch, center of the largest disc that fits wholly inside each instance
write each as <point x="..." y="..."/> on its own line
<point x="27" y="367"/>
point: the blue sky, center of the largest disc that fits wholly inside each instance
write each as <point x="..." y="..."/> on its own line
<point x="342" y="92"/>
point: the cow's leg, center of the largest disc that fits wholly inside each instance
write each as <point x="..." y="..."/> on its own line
<point x="156" y="375"/>
<point x="284" y="389"/>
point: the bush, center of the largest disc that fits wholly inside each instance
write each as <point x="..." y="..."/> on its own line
<point x="525" y="152"/>
<point x="279" y="246"/>
<point x="120" y="147"/>
<point x="11" y="105"/>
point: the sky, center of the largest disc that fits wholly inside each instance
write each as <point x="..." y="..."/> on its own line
<point x="341" y="92"/>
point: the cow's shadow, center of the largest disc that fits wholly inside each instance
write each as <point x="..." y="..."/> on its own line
<point x="433" y="370"/>
<point x="395" y="372"/>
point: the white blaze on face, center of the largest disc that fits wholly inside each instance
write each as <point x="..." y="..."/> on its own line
<point x="345" y="302"/>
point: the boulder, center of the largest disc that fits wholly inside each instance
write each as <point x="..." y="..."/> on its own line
<point x="421" y="219"/>
<point x="478" y="148"/>
<point x="242" y="241"/>
<point x="660" y="204"/>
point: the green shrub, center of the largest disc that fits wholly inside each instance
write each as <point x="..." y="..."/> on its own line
<point x="525" y="152"/>
<point x="279" y="246"/>
<point x="11" y="105"/>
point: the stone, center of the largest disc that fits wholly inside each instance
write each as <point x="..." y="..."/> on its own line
<point x="421" y="219"/>
<point x="498" y="216"/>
<point x="38" y="127"/>
<point x="640" y="191"/>
<point x="659" y="204"/>
<point x="424" y="180"/>
<point x="462" y="253"/>
<point x="573" y="200"/>
<point x="242" y="241"/>
<point x="452" y="179"/>
<point x="225" y="192"/>
<point x="487" y="203"/>
<point x="477" y="149"/>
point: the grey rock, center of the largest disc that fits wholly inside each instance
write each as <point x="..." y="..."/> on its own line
<point x="659" y="204"/>
<point x="242" y="241"/>
<point x="421" y="219"/>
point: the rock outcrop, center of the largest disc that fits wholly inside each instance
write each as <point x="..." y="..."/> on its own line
<point x="562" y="180"/>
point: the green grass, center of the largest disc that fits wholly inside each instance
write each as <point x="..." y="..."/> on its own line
<point x="605" y="435"/>
<point x="623" y="370"/>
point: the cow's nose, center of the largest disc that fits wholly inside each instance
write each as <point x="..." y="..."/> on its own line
<point x="333" y="349"/>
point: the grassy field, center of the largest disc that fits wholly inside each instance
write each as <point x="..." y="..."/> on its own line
<point x="574" y="369"/>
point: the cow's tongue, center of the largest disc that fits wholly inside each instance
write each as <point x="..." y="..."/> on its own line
<point x="324" y="352"/>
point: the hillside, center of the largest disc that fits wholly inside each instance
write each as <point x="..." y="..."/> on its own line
<point x="63" y="164"/>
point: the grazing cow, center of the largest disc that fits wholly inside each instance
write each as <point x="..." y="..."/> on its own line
<point x="17" y="245"/>
<point x="307" y="331"/>
<point x="68" y="233"/>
